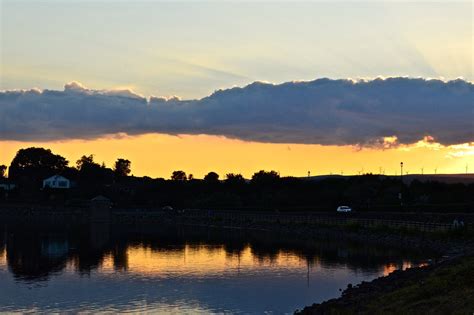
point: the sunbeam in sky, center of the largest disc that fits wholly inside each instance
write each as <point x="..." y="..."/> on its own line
<point x="237" y="156"/>
<point x="247" y="76"/>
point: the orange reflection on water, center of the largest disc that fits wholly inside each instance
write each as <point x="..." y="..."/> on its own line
<point x="3" y="258"/>
<point x="201" y="260"/>
<point x="107" y="264"/>
<point x="388" y="269"/>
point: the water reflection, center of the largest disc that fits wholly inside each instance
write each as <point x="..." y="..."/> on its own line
<point x="98" y="267"/>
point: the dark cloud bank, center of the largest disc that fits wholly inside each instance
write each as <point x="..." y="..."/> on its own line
<point x="323" y="111"/>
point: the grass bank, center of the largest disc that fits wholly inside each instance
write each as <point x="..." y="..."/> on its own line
<point x="443" y="288"/>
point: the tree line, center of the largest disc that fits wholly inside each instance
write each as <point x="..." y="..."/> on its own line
<point x="265" y="189"/>
<point x="31" y="166"/>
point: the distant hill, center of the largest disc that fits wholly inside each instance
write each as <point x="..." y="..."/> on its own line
<point x="444" y="178"/>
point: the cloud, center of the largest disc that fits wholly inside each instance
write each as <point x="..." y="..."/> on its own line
<point x="461" y="150"/>
<point x="379" y="112"/>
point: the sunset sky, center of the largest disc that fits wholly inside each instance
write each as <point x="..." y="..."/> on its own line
<point x="170" y="85"/>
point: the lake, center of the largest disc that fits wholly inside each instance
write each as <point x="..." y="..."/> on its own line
<point x="168" y="269"/>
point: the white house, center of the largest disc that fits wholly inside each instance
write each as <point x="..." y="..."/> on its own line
<point x="57" y="181"/>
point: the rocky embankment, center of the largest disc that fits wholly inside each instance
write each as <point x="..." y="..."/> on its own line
<point x="445" y="287"/>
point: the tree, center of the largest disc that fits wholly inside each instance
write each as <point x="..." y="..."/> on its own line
<point x="211" y="177"/>
<point x="90" y="171"/>
<point x="263" y="177"/>
<point x="3" y="171"/>
<point x="86" y="162"/>
<point x="122" y="167"/>
<point x="36" y="163"/>
<point x="178" y="176"/>
<point x="232" y="178"/>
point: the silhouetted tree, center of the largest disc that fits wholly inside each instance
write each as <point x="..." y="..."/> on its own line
<point x="3" y="171"/>
<point x="36" y="163"/>
<point x="86" y="162"/>
<point x="211" y="177"/>
<point x="190" y="177"/>
<point x="178" y="176"/>
<point x="265" y="191"/>
<point x="122" y="167"/>
<point x="93" y="173"/>
<point x="232" y="178"/>
<point x="263" y="177"/>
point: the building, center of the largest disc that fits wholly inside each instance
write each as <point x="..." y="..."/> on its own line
<point x="57" y="182"/>
<point x="6" y="185"/>
<point x="100" y="209"/>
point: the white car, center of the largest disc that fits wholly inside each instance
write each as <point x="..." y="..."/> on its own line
<point x="343" y="209"/>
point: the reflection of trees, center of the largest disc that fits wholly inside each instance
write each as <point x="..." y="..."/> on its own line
<point x="120" y="256"/>
<point x="30" y="259"/>
<point x="33" y="253"/>
<point x="235" y="247"/>
<point x="3" y="238"/>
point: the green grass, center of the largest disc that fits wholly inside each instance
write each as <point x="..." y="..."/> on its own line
<point x="446" y="290"/>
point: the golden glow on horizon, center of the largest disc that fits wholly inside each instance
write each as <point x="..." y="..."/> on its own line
<point x="158" y="155"/>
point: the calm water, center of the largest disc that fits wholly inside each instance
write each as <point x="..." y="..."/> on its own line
<point x="178" y="270"/>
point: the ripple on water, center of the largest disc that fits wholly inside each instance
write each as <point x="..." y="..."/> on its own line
<point x="176" y="273"/>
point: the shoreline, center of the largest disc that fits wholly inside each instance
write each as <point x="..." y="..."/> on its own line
<point x="443" y="242"/>
<point x="453" y="254"/>
<point x="445" y="286"/>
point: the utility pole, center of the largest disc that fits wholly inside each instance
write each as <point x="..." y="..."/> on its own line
<point x="400" y="196"/>
<point x="401" y="172"/>
<point x="309" y="174"/>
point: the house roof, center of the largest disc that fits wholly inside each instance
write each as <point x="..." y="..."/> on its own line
<point x="56" y="177"/>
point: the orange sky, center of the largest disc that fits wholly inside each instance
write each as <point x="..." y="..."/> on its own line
<point x="158" y="155"/>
